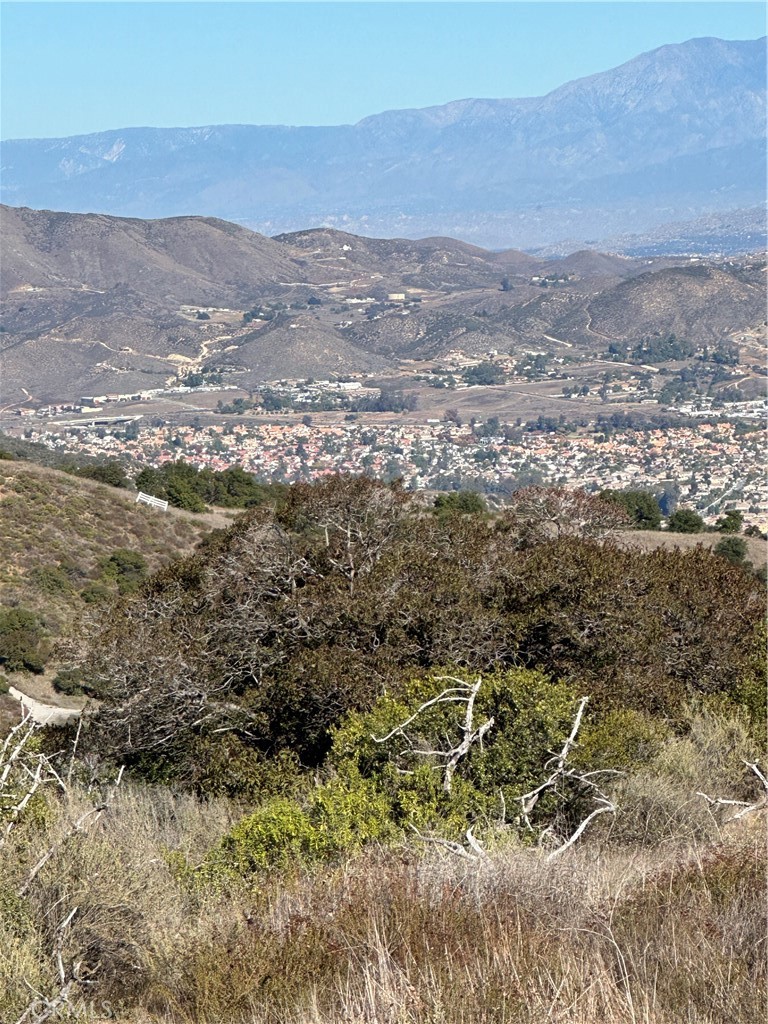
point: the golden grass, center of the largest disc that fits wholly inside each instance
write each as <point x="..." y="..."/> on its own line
<point x="653" y="934"/>
<point x="648" y="540"/>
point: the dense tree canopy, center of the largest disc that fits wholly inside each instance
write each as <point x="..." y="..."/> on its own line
<point x="22" y="640"/>
<point x="293" y="618"/>
<point x="685" y="520"/>
<point x="641" y="506"/>
<point x="186" y="487"/>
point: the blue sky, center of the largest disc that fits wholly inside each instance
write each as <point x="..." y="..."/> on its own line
<point x="71" y="68"/>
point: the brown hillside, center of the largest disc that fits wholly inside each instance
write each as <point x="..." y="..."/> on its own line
<point x="52" y="521"/>
<point x="185" y="259"/>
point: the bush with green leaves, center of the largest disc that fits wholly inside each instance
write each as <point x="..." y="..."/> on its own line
<point x="531" y="717"/>
<point x="732" y="548"/>
<point x="22" y="640"/>
<point x="51" y="579"/>
<point x="685" y="520"/>
<point x="69" y="681"/>
<point x="460" y="503"/>
<point x="620" y="739"/>
<point x="386" y="771"/>
<point x="95" y="593"/>
<point x="747" y="690"/>
<point x="191" y="489"/>
<point x="731" y="522"/>
<point x="111" y="472"/>
<point x="641" y="506"/>
<point x="126" y="568"/>
<point x="338" y="816"/>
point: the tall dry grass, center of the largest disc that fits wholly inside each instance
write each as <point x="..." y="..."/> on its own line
<point x="667" y="925"/>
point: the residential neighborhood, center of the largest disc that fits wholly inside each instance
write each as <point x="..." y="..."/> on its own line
<point x="708" y="466"/>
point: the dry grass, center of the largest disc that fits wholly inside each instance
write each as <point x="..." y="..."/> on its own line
<point x="659" y="932"/>
<point x="648" y="540"/>
<point x="48" y="518"/>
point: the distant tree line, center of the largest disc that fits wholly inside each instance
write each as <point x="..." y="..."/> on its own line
<point x="184" y="486"/>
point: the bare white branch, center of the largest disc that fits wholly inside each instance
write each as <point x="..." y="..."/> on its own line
<point x="461" y="693"/>
<point x="606" y="808"/>
<point x="561" y="773"/>
<point x="747" y="807"/>
<point x="456" y="848"/>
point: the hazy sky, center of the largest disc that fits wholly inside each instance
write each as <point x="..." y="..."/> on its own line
<point x="70" y="68"/>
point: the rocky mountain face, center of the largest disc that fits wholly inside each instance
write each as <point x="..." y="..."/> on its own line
<point x="673" y="135"/>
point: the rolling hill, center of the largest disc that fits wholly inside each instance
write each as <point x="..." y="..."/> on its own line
<point x="97" y="305"/>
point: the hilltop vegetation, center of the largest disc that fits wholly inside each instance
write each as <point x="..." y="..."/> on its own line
<point x="373" y="745"/>
<point x="68" y="543"/>
<point x="186" y="487"/>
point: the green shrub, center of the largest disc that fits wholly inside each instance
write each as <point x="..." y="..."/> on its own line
<point x="4" y="684"/>
<point x="128" y="569"/>
<point x="225" y="764"/>
<point x="641" y="506"/>
<point x="731" y="522"/>
<point x="346" y="813"/>
<point x="748" y="690"/>
<point x="531" y="716"/>
<point x="51" y="579"/>
<point x="22" y="640"/>
<point x="460" y="502"/>
<point x="337" y="817"/>
<point x="622" y="739"/>
<point x="111" y="472"/>
<point x="95" y="593"/>
<point x="732" y="548"/>
<point x="69" y="681"/>
<point x="273" y="835"/>
<point x="685" y="520"/>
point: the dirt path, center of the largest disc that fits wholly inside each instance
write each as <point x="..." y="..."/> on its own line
<point x="45" y="714"/>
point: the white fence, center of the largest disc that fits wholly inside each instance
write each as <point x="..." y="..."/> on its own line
<point x="149" y="499"/>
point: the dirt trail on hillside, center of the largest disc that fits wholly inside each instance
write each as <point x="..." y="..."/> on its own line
<point x="45" y="714"/>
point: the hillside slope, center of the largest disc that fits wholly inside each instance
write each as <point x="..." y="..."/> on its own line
<point x="96" y="305"/>
<point x="58" y="530"/>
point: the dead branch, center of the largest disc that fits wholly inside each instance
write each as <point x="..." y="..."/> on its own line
<point x="583" y="780"/>
<point x="606" y="807"/>
<point x="746" y="806"/>
<point x="43" y="1008"/>
<point x="22" y="772"/>
<point x="84" y="822"/>
<point x="456" y="848"/>
<point x="529" y="800"/>
<point x="461" y="693"/>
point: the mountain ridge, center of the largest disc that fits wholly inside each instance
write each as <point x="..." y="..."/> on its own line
<point x="94" y="304"/>
<point x="501" y="173"/>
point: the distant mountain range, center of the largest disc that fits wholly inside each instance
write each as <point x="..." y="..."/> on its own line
<point x="670" y="137"/>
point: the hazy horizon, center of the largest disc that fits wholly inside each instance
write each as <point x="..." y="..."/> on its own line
<point x="179" y="65"/>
